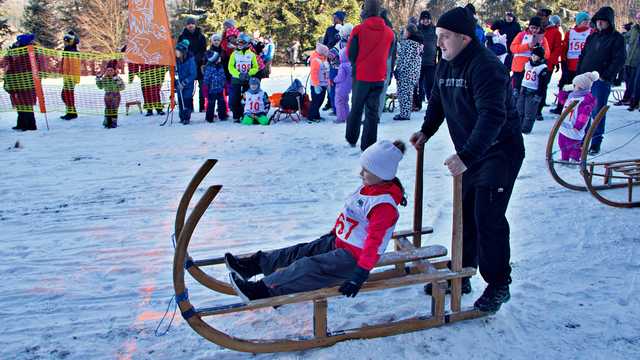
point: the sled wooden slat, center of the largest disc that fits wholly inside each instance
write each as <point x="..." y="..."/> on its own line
<point x="423" y="265"/>
<point x="438" y="289"/>
<point x="320" y="318"/>
<point x="409" y="233"/>
<point x="417" y="199"/>
<point x="420" y="278"/>
<point x="396" y="327"/>
<point x="388" y="258"/>
<point x="456" y="244"/>
<point x="464" y="314"/>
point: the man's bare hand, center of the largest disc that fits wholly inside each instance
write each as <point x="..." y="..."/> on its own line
<point x="418" y="139"/>
<point x="455" y="165"/>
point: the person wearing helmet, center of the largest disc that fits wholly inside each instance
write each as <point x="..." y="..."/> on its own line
<point x="243" y="64"/>
<point x="70" y="74"/>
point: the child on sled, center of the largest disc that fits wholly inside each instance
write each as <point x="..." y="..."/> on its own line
<point x="344" y="256"/>
<point x="574" y="126"/>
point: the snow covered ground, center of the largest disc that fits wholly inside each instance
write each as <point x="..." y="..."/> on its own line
<point x="87" y="214"/>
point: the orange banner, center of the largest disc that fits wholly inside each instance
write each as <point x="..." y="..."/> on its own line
<point x="149" y="40"/>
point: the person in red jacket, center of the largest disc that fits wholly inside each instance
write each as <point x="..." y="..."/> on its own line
<point x="574" y="40"/>
<point x="553" y="35"/>
<point x="345" y="255"/>
<point x="19" y="83"/>
<point x="521" y="49"/>
<point x="370" y="47"/>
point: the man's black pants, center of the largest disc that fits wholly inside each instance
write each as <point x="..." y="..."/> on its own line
<point x="486" y="190"/>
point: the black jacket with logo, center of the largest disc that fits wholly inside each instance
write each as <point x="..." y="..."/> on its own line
<point x="473" y="93"/>
<point x="604" y="51"/>
<point x="429" y="40"/>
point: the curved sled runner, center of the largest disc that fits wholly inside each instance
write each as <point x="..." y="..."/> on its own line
<point x="615" y="174"/>
<point x="411" y="266"/>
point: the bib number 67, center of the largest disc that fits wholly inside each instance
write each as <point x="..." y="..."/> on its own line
<point x="345" y="224"/>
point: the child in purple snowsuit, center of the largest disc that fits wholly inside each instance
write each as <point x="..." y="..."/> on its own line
<point x="573" y="127"/>
<point x="343" y="88"/>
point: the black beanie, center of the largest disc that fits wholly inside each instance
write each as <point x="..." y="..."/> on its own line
<point x="458" y="20"/>
<point x="538" y="50"/>
<point x="471" y="8"/>
<point x="535" y="21"/>
<point x="425" y="15"/>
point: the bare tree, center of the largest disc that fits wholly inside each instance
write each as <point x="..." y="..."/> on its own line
<point x="104" y="23"/>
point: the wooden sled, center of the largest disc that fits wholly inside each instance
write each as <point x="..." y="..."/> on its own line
<point x="615" y="174"/>
<point x="420" y="270"/>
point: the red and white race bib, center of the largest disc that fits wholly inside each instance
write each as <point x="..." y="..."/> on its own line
<point x="243" y="62"/>
<point x="531" y="78"/>
<point x="352" y="223"/>
<point x="576" y="43"/>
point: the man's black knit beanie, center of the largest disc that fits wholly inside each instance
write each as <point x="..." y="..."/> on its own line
<point x="458" y="20"/>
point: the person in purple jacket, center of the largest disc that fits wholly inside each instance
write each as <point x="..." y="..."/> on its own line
<point x="343" y="88"/>
<point x="574" y="125"/>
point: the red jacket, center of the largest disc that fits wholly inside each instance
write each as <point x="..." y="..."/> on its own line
<point x="381" y="218"/>
<point x="369" y="48"/>
<point x="554" y="39"/>
<point x="572" y="64"/>
<point x="522" y="51"/>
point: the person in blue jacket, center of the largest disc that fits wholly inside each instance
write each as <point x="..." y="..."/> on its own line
<point x="267" y="54"/>
<point x="187" y="73"/>
<point x="479" y="30"/>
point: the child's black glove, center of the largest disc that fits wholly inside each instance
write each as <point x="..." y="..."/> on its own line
<point x="351" y="287"/>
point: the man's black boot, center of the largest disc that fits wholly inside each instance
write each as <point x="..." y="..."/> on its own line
<point x="492" y="298"/>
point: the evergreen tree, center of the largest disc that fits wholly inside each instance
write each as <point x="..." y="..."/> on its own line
<point x="285" y="20"/>
<point x="4" y="26"/>
<point x="39" y="19"/>
<point x="71" y="12"/>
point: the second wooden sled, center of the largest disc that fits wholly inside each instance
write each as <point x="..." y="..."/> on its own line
<point x="419" y="271"/>
<point x="614" y="174"/>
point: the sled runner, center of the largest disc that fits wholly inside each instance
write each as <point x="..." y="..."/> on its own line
<point x="617" y="174"/>
<point x="412" y="265"/>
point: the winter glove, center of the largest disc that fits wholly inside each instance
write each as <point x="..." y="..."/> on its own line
<point x="537" y="98"/>
<point x="351" y="287"/>
<point x="317" y="90"/>
<point x="556" y="68"/>
<point x="244" y="77"/>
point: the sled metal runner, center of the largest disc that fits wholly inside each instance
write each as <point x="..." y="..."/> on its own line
<point x="618" y="174"/>
<point x="412" y="266"/>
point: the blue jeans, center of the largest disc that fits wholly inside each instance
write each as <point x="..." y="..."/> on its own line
<point x="332" y="89"/>
<point x="600" y="90"/>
